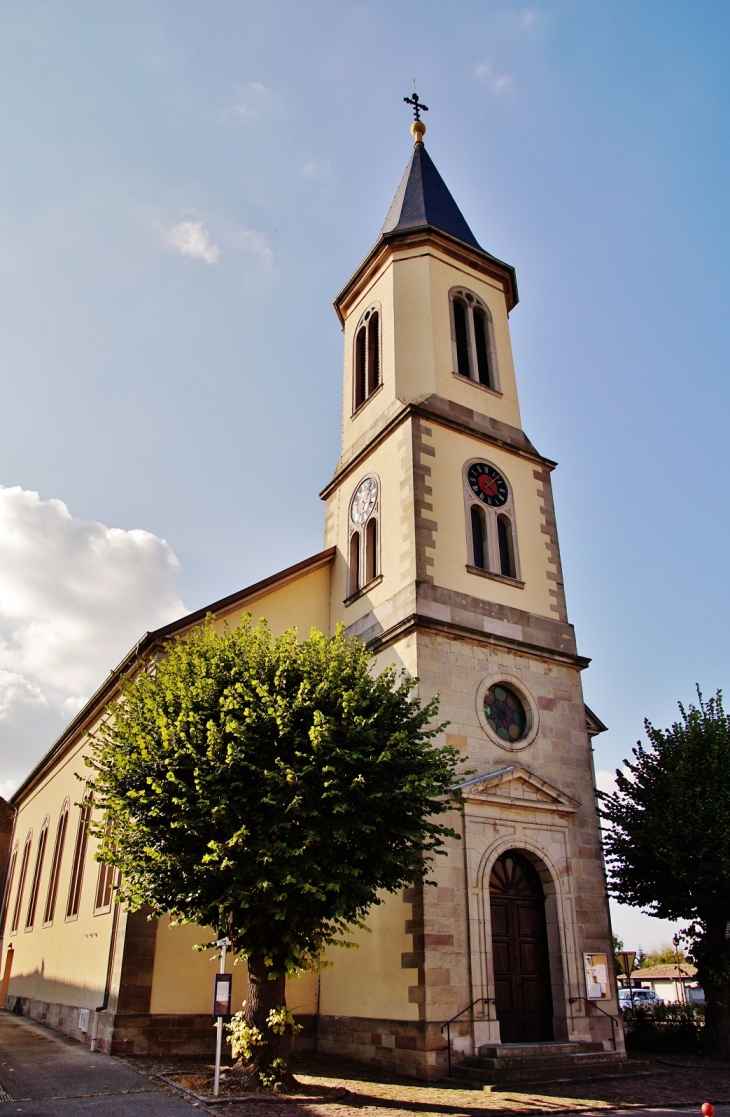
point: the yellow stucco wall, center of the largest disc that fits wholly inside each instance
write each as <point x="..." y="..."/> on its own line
<point x="182" y="981"/>
<point x="67" y="961"/>
<point x="452" y="451"/>
<point x="370" y="981"/>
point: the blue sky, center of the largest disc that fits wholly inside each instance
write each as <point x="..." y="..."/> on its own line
<point x="186" y="187"/>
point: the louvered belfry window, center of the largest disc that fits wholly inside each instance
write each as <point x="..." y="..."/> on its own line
<point x="367" y="358"/>
<point x="474" y="353"/>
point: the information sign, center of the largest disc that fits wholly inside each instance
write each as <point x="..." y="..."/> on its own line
<point x="222" y="995"/>
<point x="596" y="970"/>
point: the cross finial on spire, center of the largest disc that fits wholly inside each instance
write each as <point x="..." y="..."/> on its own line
<point x="418" y="106"/>
<point x="417" y="127"/>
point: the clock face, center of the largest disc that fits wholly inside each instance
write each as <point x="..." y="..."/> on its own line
<point x="363" y="501"/>
<point x="487" y="484"/>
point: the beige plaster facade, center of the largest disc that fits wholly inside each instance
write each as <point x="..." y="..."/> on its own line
<point x="429" y="609"/>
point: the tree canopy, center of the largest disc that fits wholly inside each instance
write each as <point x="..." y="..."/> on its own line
<point x="668" y="847"/>
<point x="270" y="789"/>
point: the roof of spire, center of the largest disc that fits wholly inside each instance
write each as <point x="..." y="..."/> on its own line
<point x="423" y="198"/>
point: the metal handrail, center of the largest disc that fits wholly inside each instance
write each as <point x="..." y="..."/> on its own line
<point x="448" y="1023"/>
<point x="613" y="1019"/>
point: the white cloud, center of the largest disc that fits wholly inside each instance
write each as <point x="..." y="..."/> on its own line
<point x="74" y="597"/>
<point x="191" y="239"/>
<point x="606" y="781"/>
<point x="529" y="16"/>
<point x="498" y="84"/>
<point x="316" y="169"/>
<point x="258" y="245"/>
<point x="256" y="97"/>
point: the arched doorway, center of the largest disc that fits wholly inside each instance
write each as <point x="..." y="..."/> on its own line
<point x="520" y="951"/>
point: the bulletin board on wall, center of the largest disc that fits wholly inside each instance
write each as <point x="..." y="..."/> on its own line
<point x="596" y="975"/>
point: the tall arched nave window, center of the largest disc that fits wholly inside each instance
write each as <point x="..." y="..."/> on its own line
<point x="363" y="560"/>
<point x="367" y="357"/>
<point x="472" y="338"/>
<point x="490" y="518"/>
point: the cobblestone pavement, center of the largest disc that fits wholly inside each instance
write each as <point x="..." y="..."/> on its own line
<point x="674" y="1086"/>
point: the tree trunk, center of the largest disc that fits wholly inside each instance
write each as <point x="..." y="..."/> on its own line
<point x="713" y="971"/>
<point x="268" y="1063"/>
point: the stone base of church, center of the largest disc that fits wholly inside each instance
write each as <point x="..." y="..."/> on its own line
<point x="140" y="1033"/>
<point x="62" y="1018"/>
<point x="414" y="1048"/>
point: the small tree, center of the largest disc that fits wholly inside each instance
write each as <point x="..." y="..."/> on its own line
<point x="669" y="845"/>
<point x="269" y="789"/>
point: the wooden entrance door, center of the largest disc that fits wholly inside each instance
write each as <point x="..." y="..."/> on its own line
<point x="520" y="951"/>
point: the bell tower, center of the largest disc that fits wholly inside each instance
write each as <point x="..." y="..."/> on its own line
<point x="448" y="564"/>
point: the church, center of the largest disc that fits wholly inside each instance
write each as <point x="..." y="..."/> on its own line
<point x="440" y="553"/>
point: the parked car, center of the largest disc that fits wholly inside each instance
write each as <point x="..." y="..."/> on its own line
<point x="641" y="997"/>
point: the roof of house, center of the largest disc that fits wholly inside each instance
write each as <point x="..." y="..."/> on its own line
<point x="666" y="970"/>
<point x="423" y="198"/>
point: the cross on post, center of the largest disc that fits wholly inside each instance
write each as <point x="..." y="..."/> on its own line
<point x="418" y="106"/>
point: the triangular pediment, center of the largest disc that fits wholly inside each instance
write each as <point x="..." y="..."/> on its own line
<point x="516" y="787"/>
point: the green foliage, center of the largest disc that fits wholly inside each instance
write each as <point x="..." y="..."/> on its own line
<point x="244" y="1037"/>
<point x="665" y="954"/>
<point x="269" y="787"/>
<point x="668" y="848"/>
<point x="674" y="1029"/>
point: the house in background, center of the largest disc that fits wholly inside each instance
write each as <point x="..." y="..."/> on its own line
<point x="675" y="985"/>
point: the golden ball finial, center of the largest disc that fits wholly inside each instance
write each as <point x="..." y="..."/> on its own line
<point x="417" y="131"/>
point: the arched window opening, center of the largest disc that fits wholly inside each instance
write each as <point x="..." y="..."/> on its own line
<point x="473" y="340"/>
<point x="367" y="358"/>
<point x="56" y="866"/>
<point x="373" y="352"/>
<point x="36" y="882"/>
<point x="354" y="582"/>
<point x="105" y="883"/>
<point x="371" y="550"/>
<point x="461" y="333"/>
<point x="478" y="537"/>
<point x="360" y="367"/>
<point x="506" y="554"/>
<point x="8" y="889"/>
<point x="481" y="339"/>
<point x="21" y="883"/>
<point x="77" y="872"/>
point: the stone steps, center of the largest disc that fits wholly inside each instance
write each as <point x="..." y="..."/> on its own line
<point x="541" y="1062"/>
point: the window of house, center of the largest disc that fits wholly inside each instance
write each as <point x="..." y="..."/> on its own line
<point x="367" y="357"/>
<point x="77" y="871"/>
<point x="21" y="883"/>
<point x="8" y="888"/>
<point x="473" y="339"/>
<point x="56" y="866"/>
<point x="490" y="518"/>
<point x="36" y="881"/>
<point x="364" y="542"/>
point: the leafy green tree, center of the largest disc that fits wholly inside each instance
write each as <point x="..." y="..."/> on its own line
<point x="269" y="789"/>
<point x="669" y="844"/>
<point x="664" y="955"/>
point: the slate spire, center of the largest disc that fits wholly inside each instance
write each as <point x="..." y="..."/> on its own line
<point x="423" y="198"/>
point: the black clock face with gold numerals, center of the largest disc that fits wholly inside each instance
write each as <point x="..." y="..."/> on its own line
<point x="487" y="484"/>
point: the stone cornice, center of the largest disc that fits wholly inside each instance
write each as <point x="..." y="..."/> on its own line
<point x="475" y="258"/>
<point x="444" y="413"/>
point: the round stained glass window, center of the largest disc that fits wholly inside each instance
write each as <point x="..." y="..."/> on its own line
<point x="506" y="716"/>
